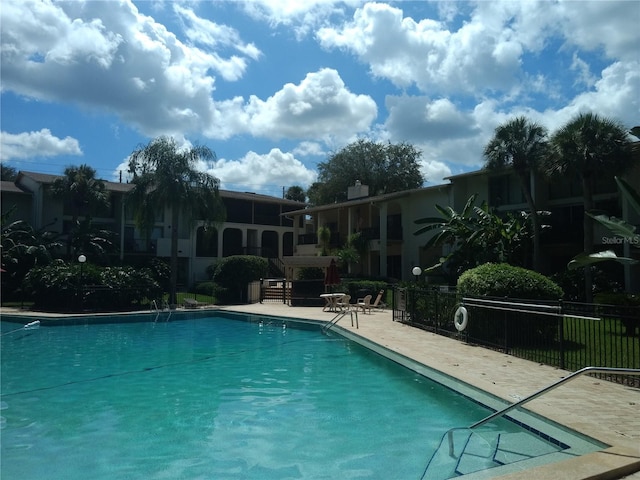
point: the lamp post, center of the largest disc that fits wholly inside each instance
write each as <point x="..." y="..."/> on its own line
<point x="82" y="259"/>
<point x="417" y="271"/>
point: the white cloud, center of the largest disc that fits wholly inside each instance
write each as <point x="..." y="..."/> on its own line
<point x="477" y="57"/>
<point x="420" y="119"/>
<point x="611" y="26"/>
<point x="615" y="95"/>
<point x="434" y="171"/>
<point x="320" y="106"/>
<point x="301" y="16"/>
<point x="36" y="144"/>
<point x="306" y="149"/>
<point x="125" y="63"/>
<point x="259" y="172"/>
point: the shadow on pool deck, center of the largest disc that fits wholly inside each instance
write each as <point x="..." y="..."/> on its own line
<point x="605" y="411"/>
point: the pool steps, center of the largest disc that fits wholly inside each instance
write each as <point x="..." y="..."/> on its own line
<point x="484" y="450"/>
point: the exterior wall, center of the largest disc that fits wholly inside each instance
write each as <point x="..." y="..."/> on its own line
<point x="21" y="202"/>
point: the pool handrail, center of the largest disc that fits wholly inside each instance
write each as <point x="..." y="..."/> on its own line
<point x="577" y="373"/>
<point x="338" y="317"/>
<point x="500" y="413"/>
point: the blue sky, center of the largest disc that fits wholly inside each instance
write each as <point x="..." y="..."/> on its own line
<point x="275" y="86"/>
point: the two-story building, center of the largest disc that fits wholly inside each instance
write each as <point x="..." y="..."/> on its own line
<point x="388" y="221"/>
<point x="288" y="231"/>
<point x="255" y="224"/>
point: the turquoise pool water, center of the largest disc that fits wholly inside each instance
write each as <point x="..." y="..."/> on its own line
<point x="217" y="398"/>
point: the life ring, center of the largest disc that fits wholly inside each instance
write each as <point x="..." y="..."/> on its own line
<point x="461" y="318"/>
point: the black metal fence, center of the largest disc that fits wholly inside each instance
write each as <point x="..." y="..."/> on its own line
<point x="567" y="335"/>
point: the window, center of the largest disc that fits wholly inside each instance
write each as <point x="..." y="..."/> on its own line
<point x="206" y="242"/>
<point x="239" y="211"/>
<point x="505" y="190"/>
<point x="232" y="242"/>
<point x="267" y="214"/>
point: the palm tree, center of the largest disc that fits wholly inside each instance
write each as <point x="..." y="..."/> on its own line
<point x="82" y="192"/>
<point x="22" y="248"/>
<point x="295" y="193"/>
<point x="165" y="177"/>
<point x="522" y="145"/>
<point x="590" y="147"/>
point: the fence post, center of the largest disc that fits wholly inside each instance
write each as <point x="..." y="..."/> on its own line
<point x="284" y="289"/>
<point x="436" y="310"/>
<point x="561" y="335"/>
<point x="506" y="335"/>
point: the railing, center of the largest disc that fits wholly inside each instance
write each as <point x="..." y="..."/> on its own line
<point x="567" y="335"/>
<point x="609" y="371"/>
<point x="338" y="317"/>
<point x="533" y="396"/>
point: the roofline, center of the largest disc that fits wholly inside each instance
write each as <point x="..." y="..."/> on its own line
<point x="473" y="173"/>
<point x="366" y="200"/>
<point x="48" y="178"/>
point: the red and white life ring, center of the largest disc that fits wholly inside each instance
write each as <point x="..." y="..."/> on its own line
<point x="461" y="318"/>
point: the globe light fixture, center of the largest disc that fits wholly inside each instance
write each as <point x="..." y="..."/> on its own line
<point x="417" y="271"/>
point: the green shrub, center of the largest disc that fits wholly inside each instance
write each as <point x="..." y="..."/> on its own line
<point x="506" y="281"/>
<point x="234" y="273"/>
<point x="204" y="288"/>
<point x="68" y="287"/>
<point x="360" y="288"/>
<point x="503" y="280"/>
<point x="310" y="273"/>
<point x="618" y="298"/>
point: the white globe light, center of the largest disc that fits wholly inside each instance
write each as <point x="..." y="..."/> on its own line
<point x="417" y="271"/>
<point x="82" y="259"/>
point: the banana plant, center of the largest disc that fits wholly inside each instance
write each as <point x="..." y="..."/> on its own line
<point x="617" y="227"/>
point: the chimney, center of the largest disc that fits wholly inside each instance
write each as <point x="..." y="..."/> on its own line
<point x="357" y="191"/>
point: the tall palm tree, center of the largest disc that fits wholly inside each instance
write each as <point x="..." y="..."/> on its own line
<point x="522" y="145"/>
<point x="82" y="192"/>
<point x="590" y="147"/>
<point x="165" y="177"/>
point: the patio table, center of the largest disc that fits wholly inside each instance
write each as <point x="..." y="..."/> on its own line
<point x="331" y="301"/>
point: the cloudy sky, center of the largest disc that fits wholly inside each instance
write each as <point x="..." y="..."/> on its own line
<point x="274" y="86"/>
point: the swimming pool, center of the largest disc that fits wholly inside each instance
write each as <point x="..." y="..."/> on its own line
<point x="221" y="398"/>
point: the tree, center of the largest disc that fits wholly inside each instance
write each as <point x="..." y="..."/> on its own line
<point x="625" y="231"/>
<point x="295" y="193"/>
<point x="7" y="173"/>
<point x="82" y="192"/>
<point x="590" y="147"/>
<point x="476" y="235"/>
<point x="22" y="249"/>
<point x="521" y="145"/>
<point x="165" y="177"/>
<point x="385" y="168"/>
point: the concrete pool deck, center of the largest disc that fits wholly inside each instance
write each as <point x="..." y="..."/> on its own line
<point x="602" y="410"/>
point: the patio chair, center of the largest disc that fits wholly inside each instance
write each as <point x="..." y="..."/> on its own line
<point x="364" y="304"/>
<point x="344" y="303"/>
<point x="379" y="304"/>
<point x="191" y="303"/>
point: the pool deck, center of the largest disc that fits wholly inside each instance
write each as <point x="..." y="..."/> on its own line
<point x="605" y="411"/>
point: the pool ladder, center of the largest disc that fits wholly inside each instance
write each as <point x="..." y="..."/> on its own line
<point x="327" y="326"/>
<point x="155" y="306"/>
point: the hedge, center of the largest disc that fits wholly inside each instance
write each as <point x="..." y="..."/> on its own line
<point x="508" y="282"/>
<point x="504" y="280"/>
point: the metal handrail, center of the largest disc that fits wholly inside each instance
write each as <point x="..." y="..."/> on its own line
<point x="500" y="413"/>
<point x="338" y="317"/>
<point x="556" y="311"/>
<point x="577" y="373"/>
